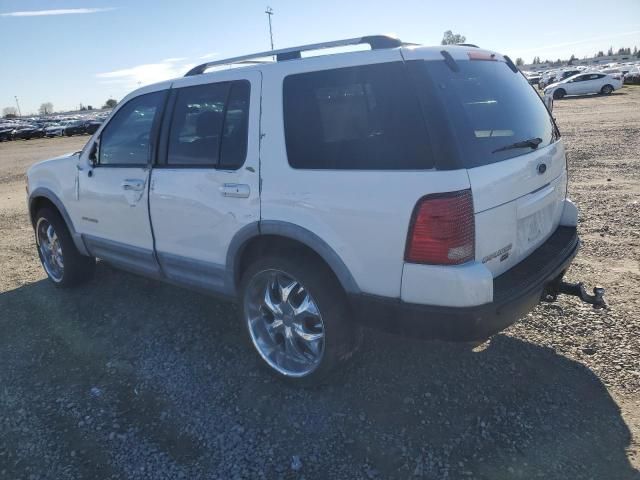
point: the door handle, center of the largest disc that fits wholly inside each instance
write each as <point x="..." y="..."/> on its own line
<point x="237" y="190"/>
<point x="133" y="184"/>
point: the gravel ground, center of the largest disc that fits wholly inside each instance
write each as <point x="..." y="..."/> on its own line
<point x="130" y="378"/>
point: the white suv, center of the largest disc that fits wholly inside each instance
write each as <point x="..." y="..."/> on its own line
<point x="417" y="189"/>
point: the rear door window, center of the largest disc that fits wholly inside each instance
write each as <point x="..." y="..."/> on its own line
<point x="209" y="126"/>
<point x="359" y="118"/>
<point x="478" y="109"/>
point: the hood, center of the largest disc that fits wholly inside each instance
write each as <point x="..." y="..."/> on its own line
<point x="554" y="85"/>
<point x="60" y="159"/>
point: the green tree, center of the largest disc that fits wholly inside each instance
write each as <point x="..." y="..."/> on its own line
<point x="600" y="54"/>
<point x="536" y="60"/>
<point x="610" y="51"/>
<point x="450" y="38"/>
<point x="111" y="103"/>
<point x="572" y="59"/>
<point x="519" y="62"/>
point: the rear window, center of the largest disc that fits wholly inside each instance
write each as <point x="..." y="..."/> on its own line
<point x="479" y="111"/>
<point x="360" y="118"/>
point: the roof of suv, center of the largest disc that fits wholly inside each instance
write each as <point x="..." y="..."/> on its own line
<point x="275" y="58"/>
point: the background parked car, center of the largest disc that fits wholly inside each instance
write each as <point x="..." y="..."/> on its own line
<point x="54" y="130"/>
<point x="554" y="76"/>
<point x="92" y="126"/>
<point x="533" y="78"/>
<point x="74" y="127"/>
<point x="633" y="77"/>
<point x="68" y="128"/>
<point x="583" y="84"/>
<point x="6" y="133"/>
<point x="27" y="132"/>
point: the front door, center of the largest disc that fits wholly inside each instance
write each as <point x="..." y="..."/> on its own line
<point x="205" y="187"/>
<point x="113" y="192"/>
<point x="580" y="85"/>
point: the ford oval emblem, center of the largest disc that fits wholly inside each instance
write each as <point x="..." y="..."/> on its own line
<point x="542" y="168"/>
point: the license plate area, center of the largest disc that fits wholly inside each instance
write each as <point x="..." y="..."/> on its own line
<point x="534" y="228"/>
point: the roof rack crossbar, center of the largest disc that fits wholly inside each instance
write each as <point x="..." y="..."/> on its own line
<point x="376" y="42"/>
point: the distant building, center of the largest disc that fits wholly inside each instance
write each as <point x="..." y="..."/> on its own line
<point x="584" y="61"/>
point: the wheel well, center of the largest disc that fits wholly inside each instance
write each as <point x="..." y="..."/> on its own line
<point x="275" y="244"/>
<point x="38" y="203"/>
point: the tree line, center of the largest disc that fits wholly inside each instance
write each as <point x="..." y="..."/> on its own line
<point x="600" y="53"/>
<point x="47" y="108"/>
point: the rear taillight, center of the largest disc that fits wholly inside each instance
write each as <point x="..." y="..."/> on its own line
<point x="442" y="229"/>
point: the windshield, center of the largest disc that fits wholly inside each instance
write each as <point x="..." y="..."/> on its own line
<point x="487" y="106"/>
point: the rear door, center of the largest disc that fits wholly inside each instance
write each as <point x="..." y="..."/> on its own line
<point x="488" y="110"/>
<point x="206" y="185"/>
<point x="352" y="162"/>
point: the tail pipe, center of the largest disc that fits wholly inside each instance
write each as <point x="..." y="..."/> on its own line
<point x="559" y="286"/>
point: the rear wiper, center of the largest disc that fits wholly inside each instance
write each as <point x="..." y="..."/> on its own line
<point x="530" y="143"/>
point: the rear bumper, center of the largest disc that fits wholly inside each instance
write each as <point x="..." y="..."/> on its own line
<point x="515" y="293"/>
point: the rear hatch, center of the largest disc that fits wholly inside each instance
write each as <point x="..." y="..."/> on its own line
<point x="484" y="117"/>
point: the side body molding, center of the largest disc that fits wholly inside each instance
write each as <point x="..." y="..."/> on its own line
<point x="43" y="192"/>
<point x="293" y="232"/>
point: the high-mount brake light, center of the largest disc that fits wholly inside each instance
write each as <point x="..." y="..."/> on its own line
<point x="475" y="55"/>
<point x="442" y="230"/>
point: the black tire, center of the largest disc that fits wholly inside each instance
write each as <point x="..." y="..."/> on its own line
<point x="606" y="90"/>
<point x="77" y="268"/>
<point x="342" y="337"/>
<point x="559" y="93"/>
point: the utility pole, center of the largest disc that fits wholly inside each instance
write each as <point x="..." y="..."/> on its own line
<point x="269" y="12"/>
<point x="18" y="105"/>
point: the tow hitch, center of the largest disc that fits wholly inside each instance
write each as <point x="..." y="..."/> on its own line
<point x="577" y="290"/>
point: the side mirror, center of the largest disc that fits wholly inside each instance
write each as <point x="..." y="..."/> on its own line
<point x="94" y="154"/>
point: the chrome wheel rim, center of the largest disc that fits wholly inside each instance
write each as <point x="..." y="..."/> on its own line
<point x="50" y="250"/>
<point x="284" y="322"/>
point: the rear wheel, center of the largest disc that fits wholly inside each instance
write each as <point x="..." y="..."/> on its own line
<point x="297" y="317"/>
<point x="62" y="262"/>
<point x="559" y="93"/>
<point x="606" y="90"/>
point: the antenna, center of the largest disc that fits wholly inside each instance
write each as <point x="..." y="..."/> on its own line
<point x="269" y="12"/>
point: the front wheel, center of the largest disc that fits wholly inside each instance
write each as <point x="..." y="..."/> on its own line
<point x="559" y="93"/>
<point x="297" y="317"/>
<point x="606" y="90"/>
<point x="62" y="262"/>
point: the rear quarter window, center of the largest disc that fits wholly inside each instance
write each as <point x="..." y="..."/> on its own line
<point x="479" y="109"/>
<point x="359" y="118"/>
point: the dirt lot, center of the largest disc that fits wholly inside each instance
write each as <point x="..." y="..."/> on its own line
<point x="129" y="378"/>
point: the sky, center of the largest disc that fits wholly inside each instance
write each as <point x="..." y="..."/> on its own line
<point x="72" y="52"/>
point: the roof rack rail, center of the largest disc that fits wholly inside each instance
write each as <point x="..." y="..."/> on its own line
<point x="467" y="45"/>
<point x="376" y="42"/>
